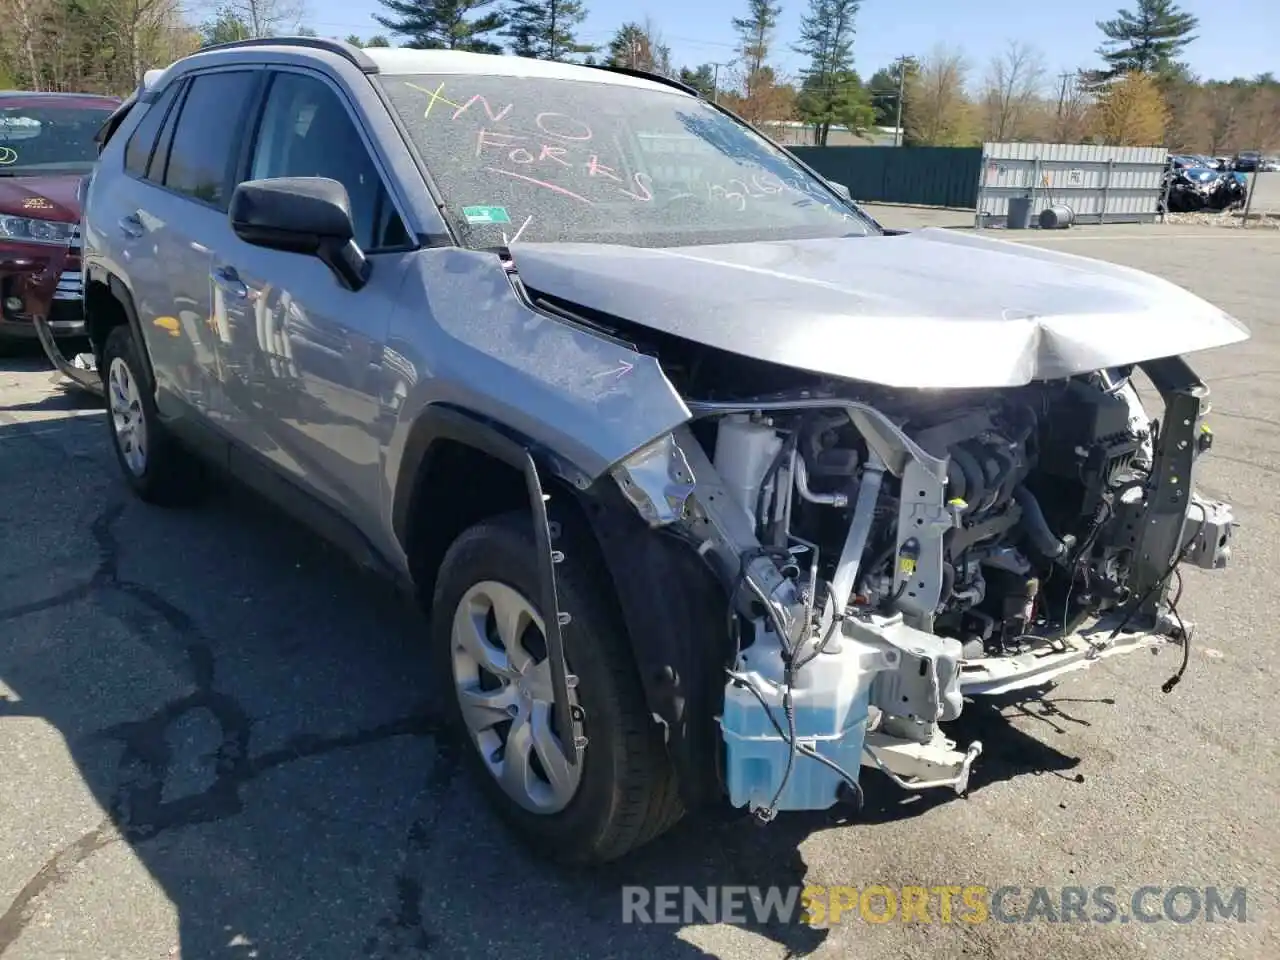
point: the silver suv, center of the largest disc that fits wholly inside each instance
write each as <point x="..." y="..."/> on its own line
<point x="714" y="490"/>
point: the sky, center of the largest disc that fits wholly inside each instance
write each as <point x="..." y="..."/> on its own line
<point x="1236" y="37"/>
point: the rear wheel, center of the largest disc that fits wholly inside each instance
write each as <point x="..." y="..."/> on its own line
<point x="155" y="466"/>
<point x="489" y="640"/>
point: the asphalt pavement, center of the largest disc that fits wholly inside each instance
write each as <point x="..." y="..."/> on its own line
<point x="218" y="739"/>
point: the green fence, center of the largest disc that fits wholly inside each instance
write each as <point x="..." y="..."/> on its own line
<point x="928" y="176"/>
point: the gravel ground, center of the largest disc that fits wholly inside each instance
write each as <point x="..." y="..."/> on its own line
<point x="218" y="740"/>
<point x="1228" y="219"/>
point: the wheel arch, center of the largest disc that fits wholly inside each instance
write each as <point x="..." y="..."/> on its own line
<point x="459" y="468"/>
<point x="108" y="303"/>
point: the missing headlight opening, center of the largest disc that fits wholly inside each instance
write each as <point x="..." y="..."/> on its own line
<point x="890" y="554"/>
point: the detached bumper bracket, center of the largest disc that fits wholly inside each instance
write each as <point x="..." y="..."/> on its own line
<point x="89" y="380"/>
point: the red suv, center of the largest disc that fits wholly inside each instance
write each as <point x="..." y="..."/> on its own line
<point x="46" y="148"/>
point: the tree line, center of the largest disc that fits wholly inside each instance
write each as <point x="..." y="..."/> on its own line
<point x="1140" y="90"/>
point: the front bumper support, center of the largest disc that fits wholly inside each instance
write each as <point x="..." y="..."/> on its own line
<point x="83" y="377"/>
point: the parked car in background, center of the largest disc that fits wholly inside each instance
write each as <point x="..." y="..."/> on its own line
<point x="46" y="148"/>
<point x="1269" y="165"/>
<point x="1194" y="182"/>
<point x="1246" y="161"/>
<point x="1198" y="160"/>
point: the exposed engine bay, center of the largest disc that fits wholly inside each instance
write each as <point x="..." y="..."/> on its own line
<point x="890" y="554"/>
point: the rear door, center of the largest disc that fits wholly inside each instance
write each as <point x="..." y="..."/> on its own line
<point x="304" y="369"/>
<point x="127" y="234"/>
<point x="195" y="176"/>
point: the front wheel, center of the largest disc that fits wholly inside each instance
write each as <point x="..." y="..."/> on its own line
<point x="489" y="640"/>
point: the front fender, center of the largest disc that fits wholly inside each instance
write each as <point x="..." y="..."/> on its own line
<point x="467" y="337"/>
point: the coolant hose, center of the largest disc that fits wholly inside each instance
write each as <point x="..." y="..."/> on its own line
<point x="975" y="484"/>
<point x="1035" y="525"/>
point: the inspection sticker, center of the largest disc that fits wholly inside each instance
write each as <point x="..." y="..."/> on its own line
<point x="486" y="214"/>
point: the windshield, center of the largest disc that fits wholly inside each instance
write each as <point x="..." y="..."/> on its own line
<point x="44" y="139"/>
<point x="540" y="159"/>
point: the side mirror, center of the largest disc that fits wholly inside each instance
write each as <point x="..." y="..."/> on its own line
<point x="841" y="189"/>
<point x="307" y="215"/>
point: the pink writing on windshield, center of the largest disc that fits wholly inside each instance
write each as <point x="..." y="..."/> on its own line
<point x="554" y="145"/>
<point x="562" y="127"/>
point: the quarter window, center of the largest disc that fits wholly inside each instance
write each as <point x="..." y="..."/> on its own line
<point x="138" y="151"/>
<point x="160" y="156"/>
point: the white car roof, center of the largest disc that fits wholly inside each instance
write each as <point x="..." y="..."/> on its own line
<point x="401" y="61"/>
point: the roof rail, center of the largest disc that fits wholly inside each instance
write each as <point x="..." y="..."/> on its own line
<point x="646" y="75"/>
<point x="343" y="49"/>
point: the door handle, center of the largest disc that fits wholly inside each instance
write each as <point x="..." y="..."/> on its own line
<point x="229" y="282"/>
<point x="131" y="226"/>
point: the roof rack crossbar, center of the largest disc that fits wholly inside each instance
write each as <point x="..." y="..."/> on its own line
<point x="646" y="75"/>
<point x="343" y="49"/>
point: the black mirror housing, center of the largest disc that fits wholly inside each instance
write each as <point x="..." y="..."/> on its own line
<point x="306" y="215"/>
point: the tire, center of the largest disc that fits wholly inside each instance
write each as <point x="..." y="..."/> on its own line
<point x="166" y="474"/>
<point x="627" y="794"/>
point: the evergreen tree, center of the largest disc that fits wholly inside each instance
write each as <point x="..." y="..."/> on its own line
<point x="544" y="29"/>
<point x="636" y="47"/>
<point x="444" y="24"/>
<point x="755" y="33"/>
<point x="702" y="79"/>
<point x="225" y="27"/>
<point x="1147" y="41"/>
<point x="882" y="90"/>
<point x="831" y="92"/>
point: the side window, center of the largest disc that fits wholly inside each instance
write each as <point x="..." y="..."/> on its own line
<point x="160" y="156"/>
<point x="206" y="139"/>
<point x="137" y="151"/>
<point x="306" y="132"/>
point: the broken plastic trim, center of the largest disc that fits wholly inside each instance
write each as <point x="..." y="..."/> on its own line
<point x="570" y="744"/>
<point x="89" y="380"/>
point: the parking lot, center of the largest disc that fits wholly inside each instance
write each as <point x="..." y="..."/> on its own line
<point x="218" y="740"/>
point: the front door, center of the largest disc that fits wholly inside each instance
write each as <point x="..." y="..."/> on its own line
<point x="303" y="366"/>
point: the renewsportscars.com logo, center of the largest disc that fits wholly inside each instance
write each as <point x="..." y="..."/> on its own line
<point x="972" y="904"/>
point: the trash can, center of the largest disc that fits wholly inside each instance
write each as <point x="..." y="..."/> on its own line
<point x="1019" y="217"/>
<point x="1057" y="217"/>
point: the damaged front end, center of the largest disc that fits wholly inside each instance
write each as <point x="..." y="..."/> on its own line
<point x="889" y="554"/>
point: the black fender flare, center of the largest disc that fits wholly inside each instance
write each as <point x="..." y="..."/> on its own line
<point x="445" y="422"/>
<point x="673" y="608"/>
<point x="438" y="423"/>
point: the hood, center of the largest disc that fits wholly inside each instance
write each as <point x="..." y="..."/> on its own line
<point x="41" y="198"/>
<point x="932" y="308"/>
